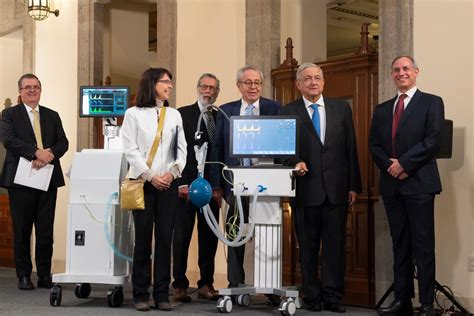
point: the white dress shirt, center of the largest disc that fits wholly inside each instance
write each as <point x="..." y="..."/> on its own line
<point x="244" y="105"/>
<point x="29" y="110"/>
<point x="322" y="114"/>
<point x="138" y="133"/>
<point x="409" y="96"/>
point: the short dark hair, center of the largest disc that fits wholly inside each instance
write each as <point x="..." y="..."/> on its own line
<point x="27" y="76"/>
<point x="146" y="92"/>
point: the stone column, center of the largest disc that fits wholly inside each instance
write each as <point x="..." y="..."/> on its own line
<point x="167" y="25"/>
<point x="90" y="61"/>
<point x="396" y="38"/>
<point x="262" y="38"/>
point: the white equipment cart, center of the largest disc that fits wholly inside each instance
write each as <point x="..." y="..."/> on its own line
<point x="98" y="232"/>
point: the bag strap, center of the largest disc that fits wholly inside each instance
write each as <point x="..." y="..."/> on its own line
<point x="159" y="132"/>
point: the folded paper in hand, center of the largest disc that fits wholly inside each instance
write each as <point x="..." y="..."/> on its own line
<point x="34" y="178"/>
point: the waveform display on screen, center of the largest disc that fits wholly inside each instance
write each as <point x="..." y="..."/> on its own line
<point x="104" y="101"/>
<point x="264" y="137"/>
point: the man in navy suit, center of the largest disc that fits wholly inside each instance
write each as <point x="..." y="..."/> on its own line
<point x="34" y="132"/>
<point x="328" y="182"/>
<point x="207" y="90"/>
<point x="249" y="83"/>
<point x="404" y="139"/>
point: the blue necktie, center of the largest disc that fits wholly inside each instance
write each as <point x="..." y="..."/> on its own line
<point x="248" y="112"/>
<point x="315" y="119"/>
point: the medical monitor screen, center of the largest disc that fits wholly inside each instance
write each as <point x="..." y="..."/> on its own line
<point x="263" y="136"/>
<point x="107" y="101"/>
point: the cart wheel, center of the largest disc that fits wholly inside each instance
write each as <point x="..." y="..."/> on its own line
<point x="243" y="300"/>
<point x="224" y="304"/>
<point x="82" y="290"/>
<point x="115" y="297"/>
<point x="55" y="295"/>
<point x="288" y="307"/>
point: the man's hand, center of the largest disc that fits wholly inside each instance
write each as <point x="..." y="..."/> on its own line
<point x="217" y="196"/>
<point x="352" y="197"/>
<point x="162" y="182"/>
<point x="403" y="176"/>
<point x="183" y="192"/>
<point x="395" y="169"/>
<point x="38" y="164"/>
<point x="301" y="169"/>
<point x="45" y="155"/>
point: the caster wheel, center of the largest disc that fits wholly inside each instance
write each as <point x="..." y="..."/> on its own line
<point x="224" y="304"/>
<point x="115" y="297"/>
<point x="287" y="307"/>
<point x="55" y="295"/>
<point x="243" y="300"/>
<point x="82" y="290"/>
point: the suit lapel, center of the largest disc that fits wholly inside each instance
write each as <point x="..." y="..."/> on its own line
<point x="303" y="113"/>
<point x="409" y="109"/>
<point x="330" y="115"/>
<point x="26" y="120"/>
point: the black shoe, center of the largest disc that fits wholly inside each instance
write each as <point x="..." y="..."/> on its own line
<point x="398" y="307"/>
<point x="426" y="310"/>
<point x="45" y="282"/>
<point x="336" y="307"/>
<point x="313" y="306"/>
<point x="24" y="283"/>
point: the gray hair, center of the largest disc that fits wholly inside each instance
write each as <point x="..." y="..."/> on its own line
<point x="209" y="75"/>
<point x="413" y="62"/>
<point x="241" y="71"/>
<point x="304" y="66"/>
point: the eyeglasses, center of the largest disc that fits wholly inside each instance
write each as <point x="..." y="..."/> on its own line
<point x="308" y="80"/>
<point x="204" y="87"/>
<point x="31" y="88"/>
<point x="249" y="83"/>
<point x="165" y="81"/>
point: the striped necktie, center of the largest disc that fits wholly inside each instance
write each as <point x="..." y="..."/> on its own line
<point x="210" y="126"/>
<point x="249" y="111"/>
<point x="37" y="129"/>
<point x="315" y="119"/>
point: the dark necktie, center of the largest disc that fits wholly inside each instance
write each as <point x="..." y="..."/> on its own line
<point x="210" y="125"/>
<point x="397" y="115"/>
<point x="315" y="119"/>
<point x="248" y="112"/>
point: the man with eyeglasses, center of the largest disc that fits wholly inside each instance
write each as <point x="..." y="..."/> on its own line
<point x="327" y="184"/>
<point x="249" y="83"/>
<point x="33" y="132"/>
<point x="207" y="92"/>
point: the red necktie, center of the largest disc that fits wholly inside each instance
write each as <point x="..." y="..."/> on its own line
<point x="397" y="115"/>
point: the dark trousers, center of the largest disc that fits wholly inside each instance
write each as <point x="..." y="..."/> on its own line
<point x="30" y="207"/>
<point x="207" y="242"/>
<point x="411" y="220"/>
<point x="235" y="255"/>
<point x="326" y="223"/>
<point x="160" y="211"/>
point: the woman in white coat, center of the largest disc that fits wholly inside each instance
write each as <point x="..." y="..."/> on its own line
<point x="139" y="130"/>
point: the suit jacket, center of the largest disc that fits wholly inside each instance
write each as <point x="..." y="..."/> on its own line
<point x="190" y="115"/>
<point x="221" y="150"/>
<point x="19" y="140"/>
<point x="416" y="143"/>
<point x="333" y="168"/>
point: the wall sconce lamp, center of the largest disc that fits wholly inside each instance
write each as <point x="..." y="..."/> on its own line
<point x="40" y="9"/>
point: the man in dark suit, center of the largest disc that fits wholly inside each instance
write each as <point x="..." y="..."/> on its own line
<point x="33" y="132"/>
<point x="249" y="83"/>
<point x="207" y="91"/>
<point x="404" y="138"/>
<point x="328" y="182"/>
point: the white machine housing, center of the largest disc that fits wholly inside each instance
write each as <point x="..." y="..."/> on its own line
<point x="95" y="177"/>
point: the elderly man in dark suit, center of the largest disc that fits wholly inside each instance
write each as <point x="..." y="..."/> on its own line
<point x="404" y="139"/>
<point x="207" y="91"/>
<point x="33" y="132"/>
<point x="328" y="182"/>
<point x="249" y="83"/>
